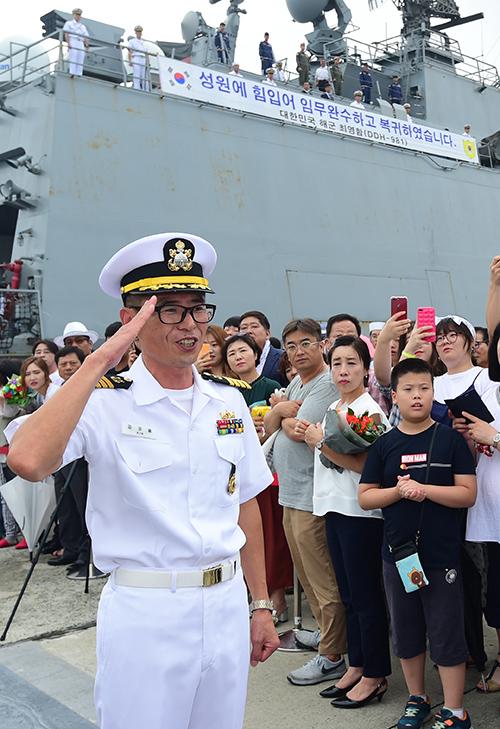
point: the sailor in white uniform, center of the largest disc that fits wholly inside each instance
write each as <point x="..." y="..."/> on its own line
<point x="175" y="465"/>
<point x="137" y="57"/>
<point x="76" y="36"/>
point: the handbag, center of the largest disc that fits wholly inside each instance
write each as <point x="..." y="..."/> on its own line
<point x="471" y="402"/>
<point x="406" y="557"/>
<point x="268" y="448"/>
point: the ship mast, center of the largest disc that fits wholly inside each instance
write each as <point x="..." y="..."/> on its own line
<point x="417" y="15"/>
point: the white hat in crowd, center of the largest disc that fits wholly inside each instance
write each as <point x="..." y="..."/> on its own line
<point x="76" y="329"/>
<point x="162" y="262"/>
<point x="458" y="320"/>
<point x="376" y="326"/>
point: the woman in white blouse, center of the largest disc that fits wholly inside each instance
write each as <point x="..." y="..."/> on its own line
<point x="354" y="536"/>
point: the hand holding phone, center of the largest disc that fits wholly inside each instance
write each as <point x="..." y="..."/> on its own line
<point x="205" y="349"/>
<point x="426" y="317"/>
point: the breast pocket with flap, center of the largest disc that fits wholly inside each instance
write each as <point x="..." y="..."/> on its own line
<point x="146" y="458"/>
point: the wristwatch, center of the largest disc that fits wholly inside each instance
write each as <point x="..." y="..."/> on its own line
<point x="319" y="445"/>
<point x="261" y="605"/>
<point x="496" y="440"/>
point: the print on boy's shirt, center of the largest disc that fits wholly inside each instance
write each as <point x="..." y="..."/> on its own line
<point x="414" y="458"/>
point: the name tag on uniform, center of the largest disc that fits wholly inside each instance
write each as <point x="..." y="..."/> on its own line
<point x="139" y="431"/>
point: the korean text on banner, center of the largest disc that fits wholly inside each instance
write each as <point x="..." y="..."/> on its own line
<point x="277" y="102"/>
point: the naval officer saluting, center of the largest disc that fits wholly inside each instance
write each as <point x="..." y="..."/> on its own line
<point x="175" y="466"/>
<point x="76" y="36"/>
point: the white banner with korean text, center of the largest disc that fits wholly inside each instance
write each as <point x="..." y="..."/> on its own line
<point x="278" y="102"/>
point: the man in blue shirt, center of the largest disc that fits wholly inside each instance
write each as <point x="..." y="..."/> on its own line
<point x="266" y="54"/>
<point x="221" y="42"/>
<point x="395" y="90"/>
<point x="366" y="83"/>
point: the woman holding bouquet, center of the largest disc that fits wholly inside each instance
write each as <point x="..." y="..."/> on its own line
<point x="354" y="535"/>
<point x="34" y="385"/>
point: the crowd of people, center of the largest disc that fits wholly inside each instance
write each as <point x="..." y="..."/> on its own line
<point x="411" y="524"/>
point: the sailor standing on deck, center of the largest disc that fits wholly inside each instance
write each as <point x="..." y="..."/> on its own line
<point x="137" y="54"/>
<point x="76" y="36"/>
<point x="175" y="466"/>
<point x="222" y="44"/>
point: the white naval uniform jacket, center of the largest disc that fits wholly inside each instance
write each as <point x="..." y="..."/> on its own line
<point x="158" y="491"/>
<point x="77" y="31"/>
<point x="138" y="51"/>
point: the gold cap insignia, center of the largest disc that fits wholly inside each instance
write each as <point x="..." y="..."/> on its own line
<point x="180" y="257"/>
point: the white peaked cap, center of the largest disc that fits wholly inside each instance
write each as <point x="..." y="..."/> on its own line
<point x="162" y="262"/>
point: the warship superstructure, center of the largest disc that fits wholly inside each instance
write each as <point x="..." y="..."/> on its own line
<point x="306" y="220"/>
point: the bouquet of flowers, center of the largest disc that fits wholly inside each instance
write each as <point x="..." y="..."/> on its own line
<point x="348" y="434"/>
<point x="14" y="393"/>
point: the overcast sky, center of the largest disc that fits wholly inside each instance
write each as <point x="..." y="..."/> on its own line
<point x="163" y="22"/>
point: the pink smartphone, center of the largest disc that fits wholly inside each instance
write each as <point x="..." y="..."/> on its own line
<point x="399" y="304"/>
<point x="426" y="317"/>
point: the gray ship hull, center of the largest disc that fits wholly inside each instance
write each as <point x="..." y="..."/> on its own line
<point x="305" y="223"/>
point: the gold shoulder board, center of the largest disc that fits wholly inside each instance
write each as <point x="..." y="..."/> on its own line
<point x="113" y="382"/>
<point x="222" y="380"/>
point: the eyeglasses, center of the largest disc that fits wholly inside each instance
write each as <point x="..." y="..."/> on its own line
<point x="306" y="344"/>
<point x="451" y="338"/>
<point x="175" y="313"/>
<point x="478" y="343"/>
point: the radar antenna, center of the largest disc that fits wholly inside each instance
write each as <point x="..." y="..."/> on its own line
<point x="199" y="45"/>
<point x="313" y="11"/>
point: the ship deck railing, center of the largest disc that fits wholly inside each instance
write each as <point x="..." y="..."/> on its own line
<point x="404" y="53"/>
<point x="26" y="63"/>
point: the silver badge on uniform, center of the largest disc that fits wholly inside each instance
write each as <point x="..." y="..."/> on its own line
<point x="450" y="576"/>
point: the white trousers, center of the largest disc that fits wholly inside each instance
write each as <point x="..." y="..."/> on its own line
<point x="139" y="76"/>
<point x="76" y="57"/>
<point x="172" y="660"/>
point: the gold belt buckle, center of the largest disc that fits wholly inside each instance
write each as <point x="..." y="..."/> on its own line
<point x="212" y="576"/>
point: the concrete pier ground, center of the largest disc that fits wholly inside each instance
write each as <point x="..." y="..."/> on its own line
<point x="47" y="666"/>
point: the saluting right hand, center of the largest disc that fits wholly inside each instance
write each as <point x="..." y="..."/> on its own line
<point x="111" y="352"/>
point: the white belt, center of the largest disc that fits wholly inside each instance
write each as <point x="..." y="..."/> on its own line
<point x="203" y="578"/>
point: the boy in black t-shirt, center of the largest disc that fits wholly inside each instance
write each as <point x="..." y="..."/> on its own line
<point x="421" y="474"/>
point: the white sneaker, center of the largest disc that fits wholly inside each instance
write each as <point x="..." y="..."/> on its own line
<point x="308" y="639"/>
<point x="317" y="670"/>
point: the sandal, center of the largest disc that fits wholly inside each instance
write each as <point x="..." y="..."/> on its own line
<point x="488" y="685"/>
